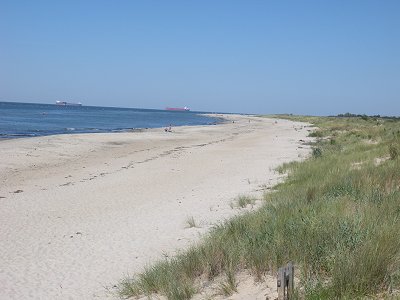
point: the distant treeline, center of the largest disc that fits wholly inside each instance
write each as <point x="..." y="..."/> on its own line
<point x="365" y="117"/>
<point x="349" y="115"/>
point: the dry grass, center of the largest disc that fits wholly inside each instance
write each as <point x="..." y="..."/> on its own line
<point x="190" y="222"/>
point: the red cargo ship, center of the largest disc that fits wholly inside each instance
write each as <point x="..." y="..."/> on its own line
<point x="178" y="108"/>
<point x="64" y="103"/>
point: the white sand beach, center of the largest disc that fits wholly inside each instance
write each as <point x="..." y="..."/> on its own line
<point x="79" y="212"/>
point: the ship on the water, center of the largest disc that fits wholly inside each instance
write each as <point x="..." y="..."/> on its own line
<point x="65" y="103"/>
<point x="178" y="108"/>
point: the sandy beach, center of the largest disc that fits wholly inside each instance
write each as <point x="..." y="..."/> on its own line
<point x="79" y="212"/>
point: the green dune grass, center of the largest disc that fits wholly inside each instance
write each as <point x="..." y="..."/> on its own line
<point x="337" y="217"/>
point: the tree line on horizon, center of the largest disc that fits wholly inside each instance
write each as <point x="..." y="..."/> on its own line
<point x="365" y="117"/>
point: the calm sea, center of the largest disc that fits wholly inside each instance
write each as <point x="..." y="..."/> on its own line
<point x="27" y="119"/>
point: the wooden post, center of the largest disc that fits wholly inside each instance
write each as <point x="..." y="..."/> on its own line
<point x="285" y="282"/>
<point x="281" y="283"/>
<point x="290" y="280"/>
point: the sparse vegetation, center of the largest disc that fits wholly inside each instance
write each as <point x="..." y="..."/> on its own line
<point x="190" y="222"/>
<point x="316" y="133"/>
<point x="243" y="200"/>
<point x="339" y="224"/>
<point x="229" y="286"/>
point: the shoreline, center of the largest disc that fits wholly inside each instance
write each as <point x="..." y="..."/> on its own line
<point x="80" y="211"/>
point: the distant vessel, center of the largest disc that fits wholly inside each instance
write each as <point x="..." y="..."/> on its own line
<point x="178" y="108"/>
<point x="64" y="103"/>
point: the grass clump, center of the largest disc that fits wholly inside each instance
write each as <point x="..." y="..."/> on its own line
<point x="316" y="133"/>
<point x="339" y="224"/>
<point x="228" y="287"/>
<point x="190" y="222"/>
<point x="242" y="201"/>
<point x="393" y="152"/>
<point x="316" y="152"/>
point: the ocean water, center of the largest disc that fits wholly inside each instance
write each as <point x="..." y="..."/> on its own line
<point x="28" y="119"/>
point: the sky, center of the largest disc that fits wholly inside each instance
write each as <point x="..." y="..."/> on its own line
<point x="300" y="57"/>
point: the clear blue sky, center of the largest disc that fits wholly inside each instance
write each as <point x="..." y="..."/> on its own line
<point x="303" y="57"/>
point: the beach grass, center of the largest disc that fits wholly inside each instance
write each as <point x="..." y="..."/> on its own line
<point x="229" y="286"/>
<point x="242" y="201"/>
<point x="336" y="216"/>
<point x="191" y="222"/>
